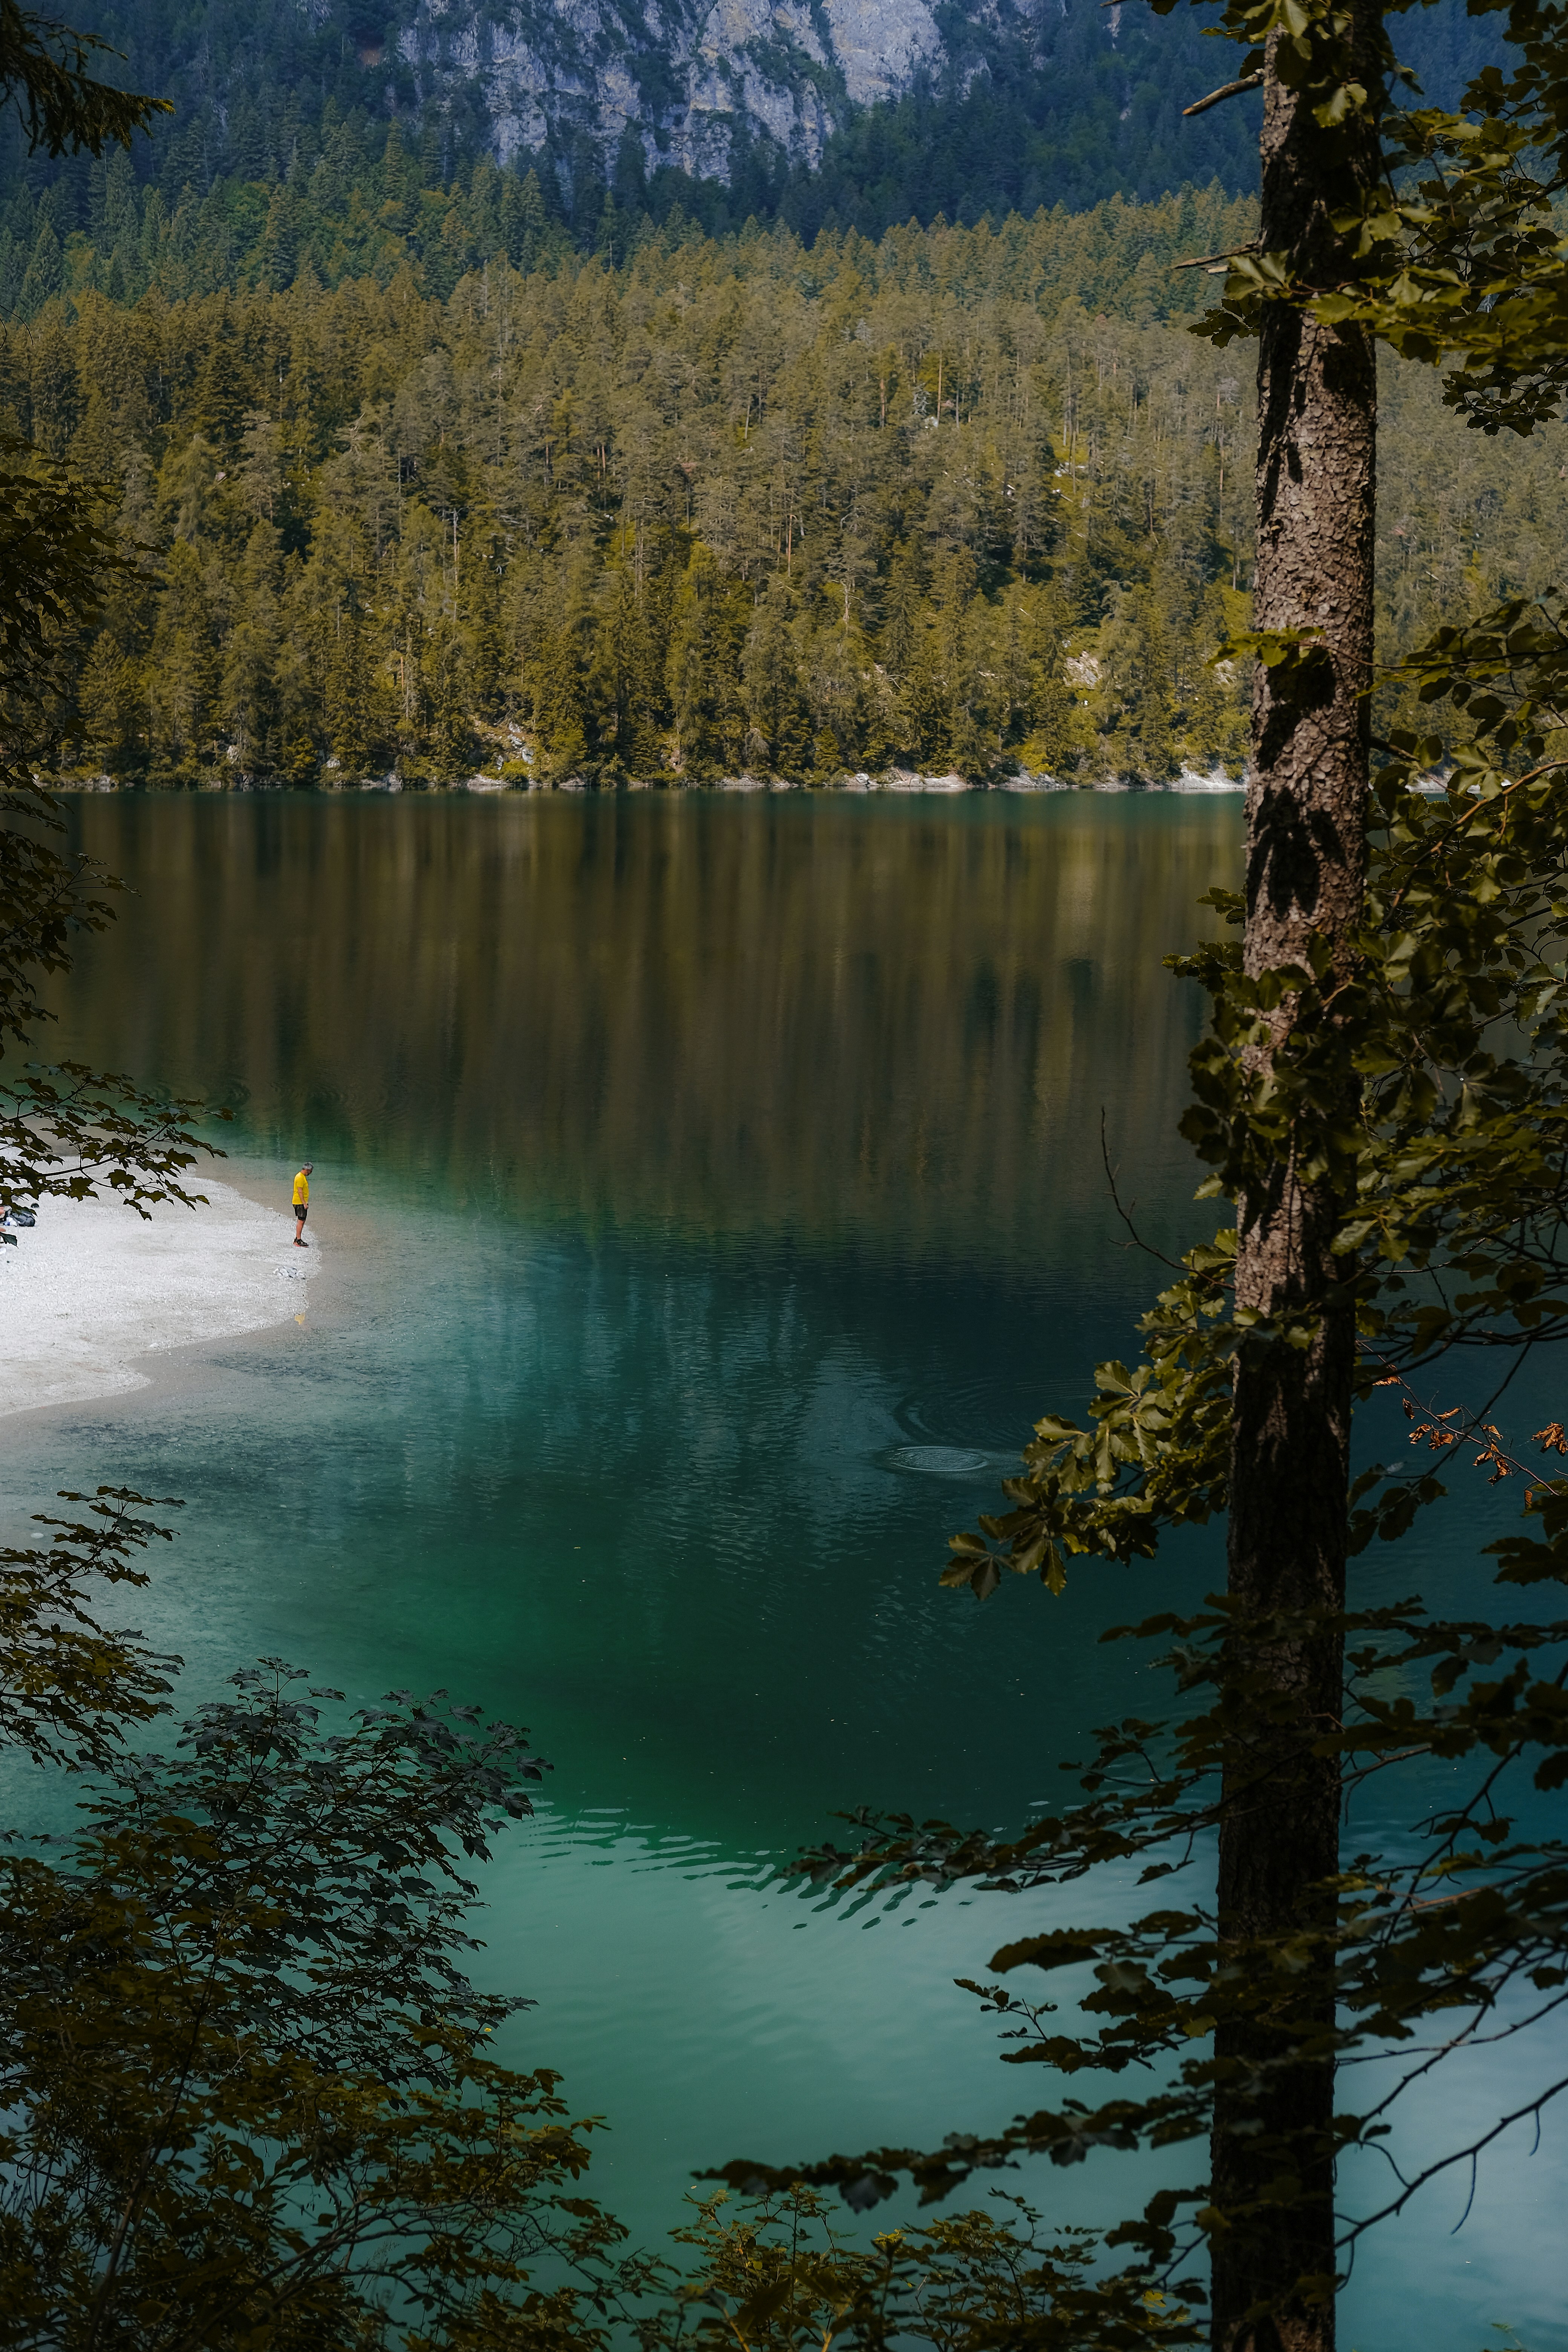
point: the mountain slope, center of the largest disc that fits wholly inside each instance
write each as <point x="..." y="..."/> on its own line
<point x="630" y="92"/>
<point x="816" y="112"/>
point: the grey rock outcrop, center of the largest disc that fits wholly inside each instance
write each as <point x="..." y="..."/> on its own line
<point x="683" y="79"/>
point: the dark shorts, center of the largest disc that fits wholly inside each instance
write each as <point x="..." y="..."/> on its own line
<point x="302" y="1209"/>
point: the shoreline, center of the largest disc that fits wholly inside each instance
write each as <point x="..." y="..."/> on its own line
<point x="95" y="1301"/>
<point x="897" y="781"/>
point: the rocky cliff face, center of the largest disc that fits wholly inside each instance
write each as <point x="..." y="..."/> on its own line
<point x="685" y="81"/>
<point x="1012" y="103"/>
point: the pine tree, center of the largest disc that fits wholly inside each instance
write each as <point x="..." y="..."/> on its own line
<point x="778" y="733"/>
<point x="609" y="237"/>
<point x="626" y="683"/>
<point x="182" y="673"/>
<point x="281" y="237"/>
<point x="222" y="396"/>
<point x="700" y="671"/>
<point x="555" y="676"/>
<point x="94" y="445"/>
<point x="348" y="697"/>
<point x="397" y="206"/>
<point x="106" y="709"/>
<point x="45" y="274"/>
<point x="525" y="220"/>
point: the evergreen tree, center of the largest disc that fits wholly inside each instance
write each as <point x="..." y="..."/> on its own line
<point x="627" y="687"/>
<point x="182" y="675"/>
<point x="222" y="395"/>
<point x="523" y="220"/>
<point x="279" y="247"/>
<point x="45" y="274"/>
<point x="556" y="674"/>
<point x="778" y="731"/>
<point x="105" y="708"/>
<point x="248" y="696"/>
<point x="698" y="672"/>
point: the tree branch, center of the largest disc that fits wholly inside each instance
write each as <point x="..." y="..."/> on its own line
<point x="1227" y="89"/>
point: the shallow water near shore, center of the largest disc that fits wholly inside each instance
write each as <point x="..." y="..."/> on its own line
<point x="709" y="1194"/>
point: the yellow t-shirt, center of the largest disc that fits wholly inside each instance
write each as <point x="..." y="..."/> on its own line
<point x="301" y="1189"/>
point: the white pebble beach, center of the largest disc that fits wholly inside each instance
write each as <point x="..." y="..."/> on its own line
<point x="92" y="1291"/>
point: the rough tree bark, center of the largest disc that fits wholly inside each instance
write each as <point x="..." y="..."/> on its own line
<point x="1291" y="1407"/>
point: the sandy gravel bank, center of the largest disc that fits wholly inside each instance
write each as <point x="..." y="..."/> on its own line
<point x="91" y="1289"/>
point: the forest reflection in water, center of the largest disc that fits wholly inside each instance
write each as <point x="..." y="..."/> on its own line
<point x="717" y="1189"/>
<point x="882" y="1020"/>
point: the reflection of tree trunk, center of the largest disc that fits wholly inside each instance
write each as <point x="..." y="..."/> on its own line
<point x="1291" y="1406"/>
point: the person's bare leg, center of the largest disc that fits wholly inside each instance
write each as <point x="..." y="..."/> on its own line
<point x="299" y="1242"/>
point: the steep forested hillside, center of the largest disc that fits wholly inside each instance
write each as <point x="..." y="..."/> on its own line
<point x="991" y="109"/>
<point x="730" y="115"/>
<point x="961" y="497"/>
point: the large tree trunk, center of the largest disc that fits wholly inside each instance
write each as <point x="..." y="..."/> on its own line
<point x="1290" y="1423"/>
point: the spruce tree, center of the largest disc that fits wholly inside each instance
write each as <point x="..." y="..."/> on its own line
<point x="778" y="734"/>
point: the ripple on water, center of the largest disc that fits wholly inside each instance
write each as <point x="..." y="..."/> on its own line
<point x="947" y="1461"/>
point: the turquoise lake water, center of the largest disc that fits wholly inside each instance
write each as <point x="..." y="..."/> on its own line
<point x="709" y="1193"/>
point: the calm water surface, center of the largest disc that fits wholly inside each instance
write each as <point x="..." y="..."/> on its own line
<point x="709" y="1193"/>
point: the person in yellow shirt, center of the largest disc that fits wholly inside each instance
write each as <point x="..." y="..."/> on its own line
<point x="302" y="1203"/>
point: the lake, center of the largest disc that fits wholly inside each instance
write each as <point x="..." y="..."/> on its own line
<point x="711" y="1192"/>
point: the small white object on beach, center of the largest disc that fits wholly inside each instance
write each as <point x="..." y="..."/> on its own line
<point x="93" y="1288"/>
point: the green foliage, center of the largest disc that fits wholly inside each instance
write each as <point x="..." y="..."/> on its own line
<point x="67" y="1685"/>
<point x="707" y="623"/>
<point x="1120" y="256"/>
<point x="60" y="105"/>
<point x="248" y="2097"/>
<point x="395" y="532"/>
<point x="777" y="2277"/>
<point x="391" y="529"/>
<point x="63" y="1129"/>
<point x="1456" y="258"/>
<point x="249" y="2093"/>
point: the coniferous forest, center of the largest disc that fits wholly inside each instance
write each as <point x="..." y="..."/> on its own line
<point x="964" y="500"/>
